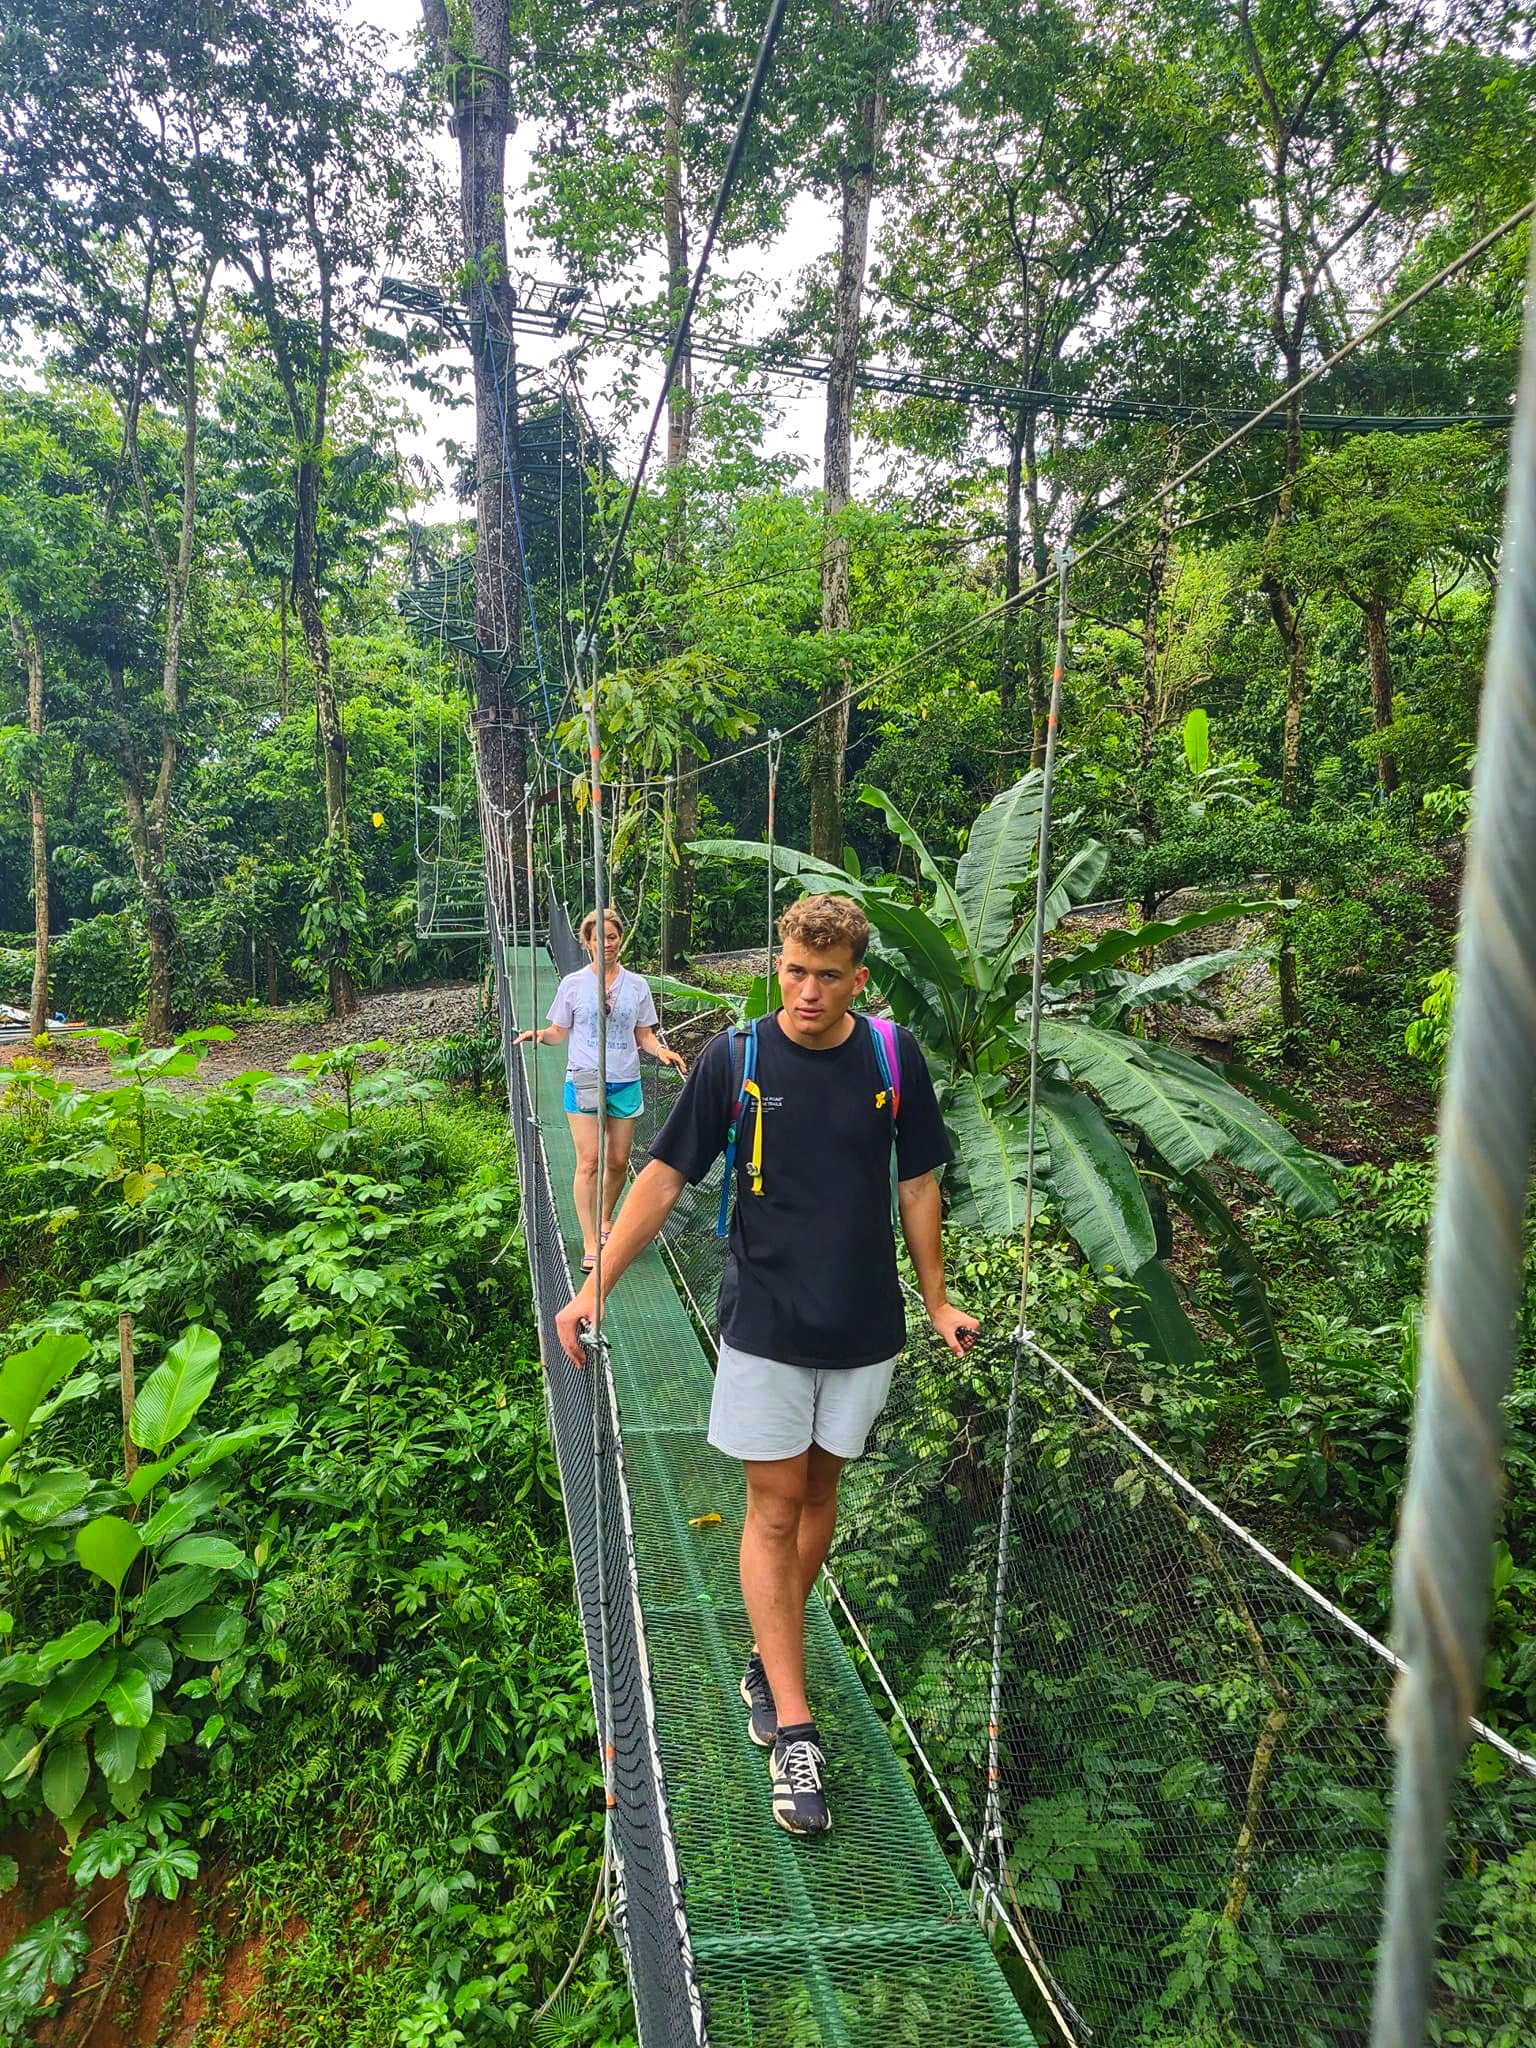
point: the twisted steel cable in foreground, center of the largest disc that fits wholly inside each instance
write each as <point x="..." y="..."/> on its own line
<point x="1483" y="1167"/>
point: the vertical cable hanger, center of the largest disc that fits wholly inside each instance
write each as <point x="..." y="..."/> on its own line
<point x="991" y="1838"/>
<point x="775" y="751"/>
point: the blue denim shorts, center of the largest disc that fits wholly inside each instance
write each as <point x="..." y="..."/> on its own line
<point x="625" y="1099"/>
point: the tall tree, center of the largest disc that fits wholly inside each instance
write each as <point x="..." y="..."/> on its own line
<point x="330" y="150"/>
<point x="475" y="76"/>
<point x="866" y="53"/>
<point x="1326" y="87"/>
<point x="1076" y="192"/>
<point x="114" y="233"/>
<point x="1369" y="518"/>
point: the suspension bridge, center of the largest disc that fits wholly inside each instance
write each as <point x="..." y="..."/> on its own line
<point x="1107" y="1770"/>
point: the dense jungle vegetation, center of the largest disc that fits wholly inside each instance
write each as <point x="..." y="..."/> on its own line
<point x="293" y="1680"/>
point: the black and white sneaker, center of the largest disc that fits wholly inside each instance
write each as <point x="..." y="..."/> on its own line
<point x="796" y="1763"/>
<point x="758" y="1694"/>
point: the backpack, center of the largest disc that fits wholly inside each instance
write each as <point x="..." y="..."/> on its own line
<point x="744" y="1067"/>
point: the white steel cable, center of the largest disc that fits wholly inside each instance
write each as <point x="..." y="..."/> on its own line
<point x="1443" y="1562"/>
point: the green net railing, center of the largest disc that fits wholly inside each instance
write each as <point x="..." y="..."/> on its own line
<point x="856" y="1941"/>
<point x="1195" y="1769"/>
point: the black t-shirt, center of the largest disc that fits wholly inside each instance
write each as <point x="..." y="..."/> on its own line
<point x="810" y="1274"/>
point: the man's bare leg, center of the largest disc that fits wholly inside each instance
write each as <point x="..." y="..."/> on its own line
<point x="772" y="1577"/>
<point x="818" y="1517"/>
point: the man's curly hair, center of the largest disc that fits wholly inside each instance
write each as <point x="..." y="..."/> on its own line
<point x="823" y="922"/>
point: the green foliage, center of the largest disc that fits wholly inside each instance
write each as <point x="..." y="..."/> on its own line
<point x="957" y="972"/>
<point x="336" y="1584"/>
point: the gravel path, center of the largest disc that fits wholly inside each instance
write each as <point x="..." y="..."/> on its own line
<point x="436" y="1009"/>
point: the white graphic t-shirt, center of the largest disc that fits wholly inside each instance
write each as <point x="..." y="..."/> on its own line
<point x="631" y="1007"/>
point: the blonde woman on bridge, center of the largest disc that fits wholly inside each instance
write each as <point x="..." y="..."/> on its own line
<point x="607" y="985"/>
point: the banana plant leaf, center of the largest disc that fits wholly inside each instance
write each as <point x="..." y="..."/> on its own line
<point x="1274" y="1093"/>
<point x="946" y="903"/>
<point x="1254" y="1141"/>
<point x="993" y="1148"/>
<point x="999" y="857"/>
<point x="1204" y="1206"/>
<point x="1174" y="983"/>
<point x="1076" y="881"/>
<point x="1111" y="947"/>
<point x="1158" y="1319"/>
<point x="912" y="1003"/>
<point x="1074" y="884"/>
<point x="1094" y="1187"/>
<point x="1182" y="1126"/>
<point x="787" y="860"/>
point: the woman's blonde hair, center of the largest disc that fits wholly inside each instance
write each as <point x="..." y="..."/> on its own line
<point x="589" y="924"/>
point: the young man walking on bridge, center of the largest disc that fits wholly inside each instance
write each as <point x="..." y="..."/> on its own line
<point x="811" y="1312"/>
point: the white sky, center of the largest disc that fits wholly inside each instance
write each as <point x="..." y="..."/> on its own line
<point x="811" y="233"/>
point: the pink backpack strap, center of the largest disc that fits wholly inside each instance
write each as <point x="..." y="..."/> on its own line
<point x="885" y="1032"/>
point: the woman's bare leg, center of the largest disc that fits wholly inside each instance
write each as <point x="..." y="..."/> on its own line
<point x="584" y="1186"/>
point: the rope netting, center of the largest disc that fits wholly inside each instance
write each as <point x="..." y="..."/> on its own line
<point x="1195" y="1776"/>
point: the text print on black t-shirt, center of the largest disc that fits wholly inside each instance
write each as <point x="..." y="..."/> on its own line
<point x="810" y="1274"/>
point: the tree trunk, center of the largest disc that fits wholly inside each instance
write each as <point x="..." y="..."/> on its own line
<point x="677" y="934"/>
<point x="1013" y="551"/>
<point x="1381" y="688"/>
<point x="1157" y="576"/>
<point x="270" y="952"/>
<point x="480" y="92"/>
<point x="1034" y="623"/>
<point x="856" y="187"/>
<point x="1287" y="620"/>
<point x="30" y="647"/>
<point x="341" y="989"/>
<point x="283" y="674"/>
<point x="149" y="810"/>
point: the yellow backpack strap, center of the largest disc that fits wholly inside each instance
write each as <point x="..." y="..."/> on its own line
<point x="755" y="1163"/>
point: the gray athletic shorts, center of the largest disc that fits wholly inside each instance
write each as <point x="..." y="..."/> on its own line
<point x="764" y="1410"/>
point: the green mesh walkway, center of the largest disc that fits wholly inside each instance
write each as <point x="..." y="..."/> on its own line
<point x="864" y="1939"/>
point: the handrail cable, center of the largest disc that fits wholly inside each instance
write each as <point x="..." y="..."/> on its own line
<point x="1451" y="1501"/>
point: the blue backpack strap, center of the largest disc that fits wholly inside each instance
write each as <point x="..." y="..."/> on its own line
<point x="743" y="1070"/>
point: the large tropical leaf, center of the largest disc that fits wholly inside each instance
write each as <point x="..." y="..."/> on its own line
<point x="1201" y="1202"/>
<point x="1158" y="1319"/>
<point x="999" y="858"/>
<point x="1175" y="982"/>
<point x="1254" y="1140"/>
<point x="1275" y="1093"/>
<point x="27" y="1376"/>
<point x="946" y="901"/>
<point x="1111" y="947"/>
<point x="993" y="1146"/>
<point x="175" y="1390"/>
<point x="1096" y="1190"/>
<point x="1076" y="881"/>
<point x="918" y="944"/>
<point x="1183" y="1127"/>
<point x="911" y="1002"/>
<point x="786" y="859"/>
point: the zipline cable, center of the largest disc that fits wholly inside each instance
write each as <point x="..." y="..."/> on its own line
<point x="728" y="179"/>
<point x="1488" y="1115"/>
